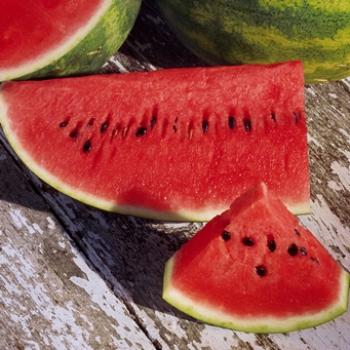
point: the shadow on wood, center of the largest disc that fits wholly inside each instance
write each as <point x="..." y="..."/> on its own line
<point x="129" y="253"/>
<point x="11" y="190"/>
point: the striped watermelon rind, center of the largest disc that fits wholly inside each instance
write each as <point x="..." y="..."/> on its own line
<point x="261" y="31"/>
<point x="87" y="50"/>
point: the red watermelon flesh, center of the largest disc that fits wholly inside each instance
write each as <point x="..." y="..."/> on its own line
<point x="39" y="24"/>
<point x="255" y="268"/>
<point x="174" y="144"/>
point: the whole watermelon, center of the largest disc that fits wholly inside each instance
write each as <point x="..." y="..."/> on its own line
<point x="264" y="31"/>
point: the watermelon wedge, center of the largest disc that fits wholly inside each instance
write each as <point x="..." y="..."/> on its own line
<point x="174" y="144"/>
<point x="44" y="38"/>
<point x="254" y="268"/>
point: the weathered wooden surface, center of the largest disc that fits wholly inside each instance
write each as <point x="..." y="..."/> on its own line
<point x="129" y="253"/>
<point x="49" y="296"/>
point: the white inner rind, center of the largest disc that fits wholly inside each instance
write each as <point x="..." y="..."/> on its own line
<point x="260" y="324"/>
<point x="201" y="214"/>
<point x="59" y="50"/>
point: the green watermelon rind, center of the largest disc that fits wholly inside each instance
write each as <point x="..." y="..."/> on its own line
<point x="88" y="48"/>
<point x="202" y="214"/>
<point x="213" y="316"/>
<point x="236" y="32"/>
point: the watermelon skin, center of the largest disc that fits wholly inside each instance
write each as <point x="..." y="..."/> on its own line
<point x="181" y="168"/>
<point x="89" y="51"/>
<point x="234" y="32"/>
<point x="215" y="279"/>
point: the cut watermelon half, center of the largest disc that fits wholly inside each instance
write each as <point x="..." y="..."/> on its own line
<point x="174" y="144"/>
<point x="255" y="269"/>
<point x="60" y="37"/>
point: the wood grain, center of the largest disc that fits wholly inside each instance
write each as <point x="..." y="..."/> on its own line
<point x="50" y="298"/>
<point x="129" y="253"/>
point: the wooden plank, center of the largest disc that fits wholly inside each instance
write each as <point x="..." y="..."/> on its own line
<point x="50" y="298"/>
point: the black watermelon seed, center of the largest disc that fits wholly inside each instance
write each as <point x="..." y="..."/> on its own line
<point x="297" y="232"/>
<point x="273" y="116"/>
<point x="226" y="236"/>
<point x="141" y="131"/>
<point x="303" y="251"/>
<point x="74" y="134"/>
<point x="261" y="270"/>
<point x="247" y="124"/>
<point x="104" y="126"/>
<point x="231" y="122"/>
<point x="271" y="243"/>
<point x="293" y="249"/>
<point x="248" y="241"/>
<point x="153" y="121"/>
<point x="205" y="126"/>
<point x="63" y="124"/>
<point x="87" y="146"/>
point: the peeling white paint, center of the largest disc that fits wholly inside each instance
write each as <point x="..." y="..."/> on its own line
<point x="68" y="329"/>
<point x="334" y="186"/>
<point x="31" y="345"/>
<point x="51" y="223"/>
<point x="98" y="339"/>
<point x="178" y="225"/>
<point x="343" y="173"/>
<point x="37" y="228"/>
<point x="345" y="133"/>
<point x="311" y="91"/>
<point x="61" y="244"/>
<point x="328" y="227"/>
<point x="324" y="218"/>
<point x="68" y="334"/>
<point x="28" y="287"/>
<point x="104" y="298"/>
<point x="20" y="222"/>
<point x="311" y="139"/>
<point x="347" y="155"/>
<point x="332" y="95"/>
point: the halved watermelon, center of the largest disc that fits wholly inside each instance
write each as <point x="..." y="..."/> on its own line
<point x="173" y="144"/>
<point x="255" y="269"/>
<point x="60" y="37"/>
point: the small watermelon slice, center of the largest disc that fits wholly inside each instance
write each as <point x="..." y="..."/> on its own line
<point x="174" y="144"/>
<point x="254" y="268"/>
<point x="60" y="37"/>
